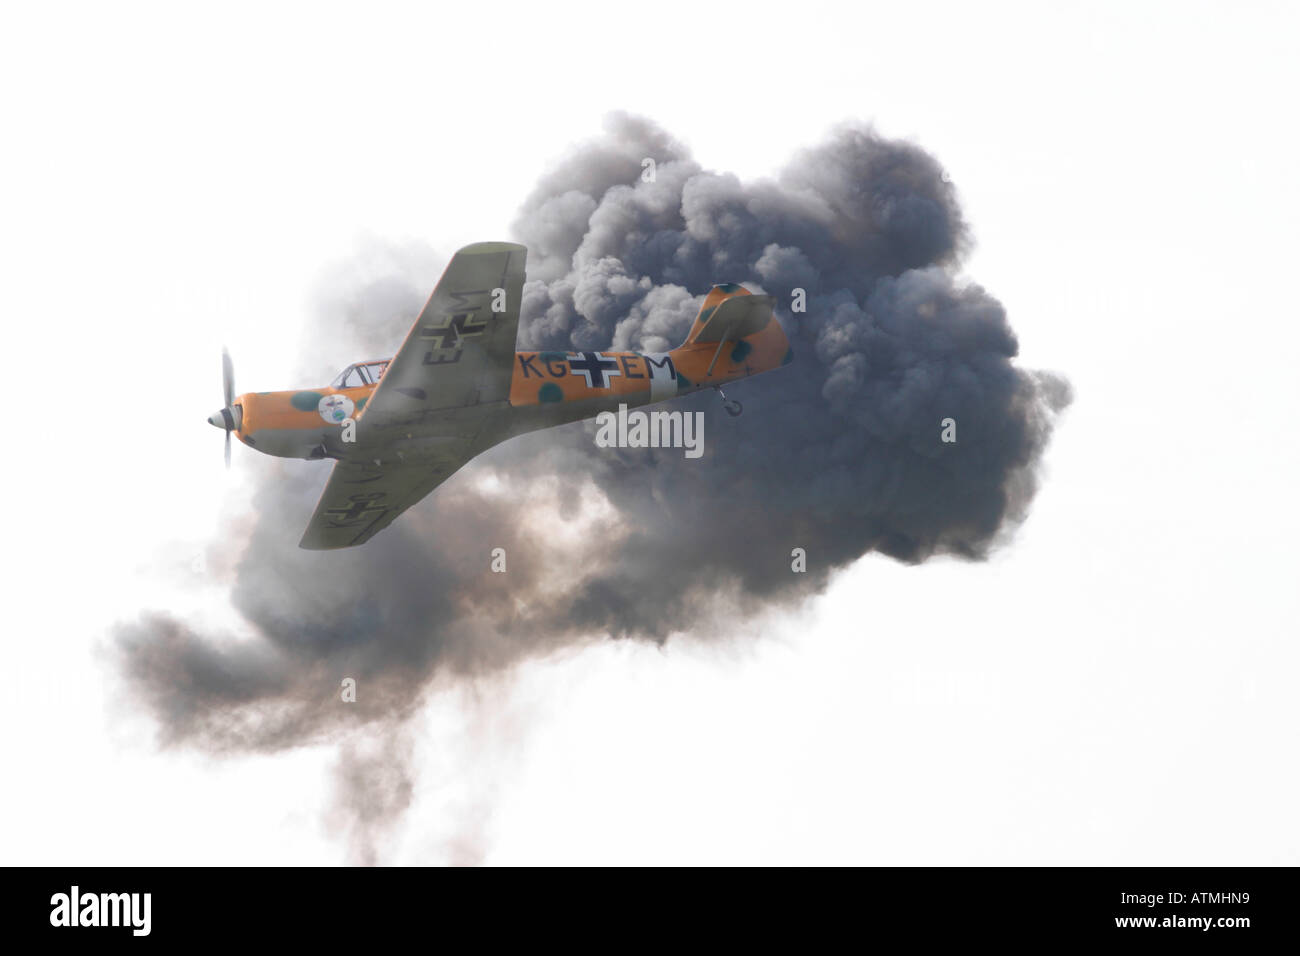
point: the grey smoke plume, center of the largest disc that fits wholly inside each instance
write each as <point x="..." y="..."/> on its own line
<point x="837" y="453"/>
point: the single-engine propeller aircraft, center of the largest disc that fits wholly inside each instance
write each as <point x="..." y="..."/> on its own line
<point x="397" y="428"/>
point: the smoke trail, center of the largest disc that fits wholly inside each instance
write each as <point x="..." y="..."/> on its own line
<point x="838" y="453"/>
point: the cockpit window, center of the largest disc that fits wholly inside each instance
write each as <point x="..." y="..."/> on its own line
<point x="365" y="373"/>
<point x="348" y="378"/>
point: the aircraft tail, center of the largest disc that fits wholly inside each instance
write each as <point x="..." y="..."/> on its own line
<point x="730" y="312"/>
<point x="740" y="330"/>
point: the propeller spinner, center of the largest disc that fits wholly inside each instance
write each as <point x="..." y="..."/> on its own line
<point x="231" y="416"/>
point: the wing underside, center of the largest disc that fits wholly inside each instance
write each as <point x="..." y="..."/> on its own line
<point x="461" y="350"/>
<point x="359" y="501"/>
<point x="442" y="399"/>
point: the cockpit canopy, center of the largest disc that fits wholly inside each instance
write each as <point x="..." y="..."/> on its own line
<point x="362" y="373"/>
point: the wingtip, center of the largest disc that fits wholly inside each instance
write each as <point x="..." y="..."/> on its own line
<point x="307" y="544"/>
<point x="485" y="248"/>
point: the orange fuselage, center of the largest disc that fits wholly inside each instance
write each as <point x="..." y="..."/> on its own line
<point x="547" y="388"/>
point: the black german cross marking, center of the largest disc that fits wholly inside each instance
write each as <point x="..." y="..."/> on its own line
<point x="448" y="331"/>
<point x="362" y="505"/>
<point x="454" y="327"/>
<point x="594" y="366"/>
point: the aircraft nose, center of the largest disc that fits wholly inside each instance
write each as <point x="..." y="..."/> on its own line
<point x="230" y="419"/>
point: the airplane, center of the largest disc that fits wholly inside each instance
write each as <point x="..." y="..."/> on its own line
<point x="397" y="428"/>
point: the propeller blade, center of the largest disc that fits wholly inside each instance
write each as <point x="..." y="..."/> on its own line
<point x="227" y="448"/>
<point x="227" y="378"/>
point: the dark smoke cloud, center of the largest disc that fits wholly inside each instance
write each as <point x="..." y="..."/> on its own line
<point x="838" y="453"/>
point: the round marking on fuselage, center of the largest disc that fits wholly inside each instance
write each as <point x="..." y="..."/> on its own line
<point x="550" y="392"/>
<point x="335" y="408"/>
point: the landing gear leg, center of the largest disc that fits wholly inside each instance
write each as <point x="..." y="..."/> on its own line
<point x="730" y="406"/>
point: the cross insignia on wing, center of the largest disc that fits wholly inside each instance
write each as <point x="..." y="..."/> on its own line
<point x="454" y="327"/>
<point x="362" y="506"/>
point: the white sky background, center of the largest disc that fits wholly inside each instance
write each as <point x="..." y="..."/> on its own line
<point x="1116" y="686"/>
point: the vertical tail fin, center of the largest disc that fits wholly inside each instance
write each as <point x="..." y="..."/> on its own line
<point x="738" y="332"/>
<point x="729" y="313"/>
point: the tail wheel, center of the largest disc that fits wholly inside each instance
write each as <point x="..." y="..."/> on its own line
<point x="733" y="407"/>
